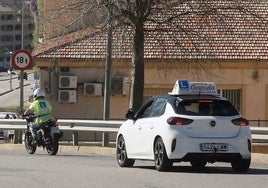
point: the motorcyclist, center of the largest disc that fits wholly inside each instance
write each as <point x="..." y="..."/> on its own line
<point x="41" y="108"/>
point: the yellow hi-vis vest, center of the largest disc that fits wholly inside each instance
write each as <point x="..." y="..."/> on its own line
<point x="42" y="109"/>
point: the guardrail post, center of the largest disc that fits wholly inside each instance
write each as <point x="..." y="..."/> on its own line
<point x="75" y="138"/>
<point x="20" y="136"/>
<point x="105" y="139"/>
<point x="16" y="137"/>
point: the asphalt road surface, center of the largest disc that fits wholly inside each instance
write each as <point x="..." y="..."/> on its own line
<point x="11" y="90"/>
<point x="19" y="169"/>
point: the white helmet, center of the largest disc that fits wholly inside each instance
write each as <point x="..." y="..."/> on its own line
<point x="38" y="93"/>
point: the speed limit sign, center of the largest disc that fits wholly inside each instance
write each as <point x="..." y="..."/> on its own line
<point x="22" y="60"/>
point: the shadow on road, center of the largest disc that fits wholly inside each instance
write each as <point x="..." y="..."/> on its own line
<point x="209" y="170"/>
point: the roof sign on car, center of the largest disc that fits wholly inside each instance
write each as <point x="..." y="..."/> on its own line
<point x="183" y="87"/>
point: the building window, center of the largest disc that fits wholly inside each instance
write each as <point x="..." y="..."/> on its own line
<point x="18" y="37"/>
<point x="30" y="26"/>
<point x="234" y="96"/>
<point x="6" y="38"/>
<point x="9" y="17"/>
<point x="7" y="27"/>
<point x="18" y="27"/>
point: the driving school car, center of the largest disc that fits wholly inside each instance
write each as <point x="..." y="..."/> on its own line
<point x="192" y="123"/>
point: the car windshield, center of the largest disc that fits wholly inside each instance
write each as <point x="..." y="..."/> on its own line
<point x="206" y="107"/>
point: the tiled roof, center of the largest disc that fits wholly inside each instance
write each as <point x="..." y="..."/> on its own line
<point x="222" y="34"/>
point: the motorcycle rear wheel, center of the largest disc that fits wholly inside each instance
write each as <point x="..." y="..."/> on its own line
<point x="53" y="145"/>
<point x="28" y="143"/>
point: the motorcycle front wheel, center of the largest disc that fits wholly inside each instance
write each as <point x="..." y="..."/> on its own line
<point x="52" y="145"/>
<point x="28" y="143"/>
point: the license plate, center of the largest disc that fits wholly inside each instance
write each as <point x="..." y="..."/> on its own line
<point x="214" y="147"/>
<point x="55" y="130"/>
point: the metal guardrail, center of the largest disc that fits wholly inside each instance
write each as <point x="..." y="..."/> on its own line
<point x="67" y="125"/>
<point x="259" y="134"/>
<point x="258" y="123"/>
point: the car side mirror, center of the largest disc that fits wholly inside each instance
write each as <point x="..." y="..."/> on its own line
<point x="130" y="114"/>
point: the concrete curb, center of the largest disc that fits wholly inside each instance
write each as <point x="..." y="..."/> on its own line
<point x="67" y="149"/>
<point x="5" y="92"/>
<point x="108" y="151"/>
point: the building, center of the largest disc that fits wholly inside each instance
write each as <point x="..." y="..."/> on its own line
<point x="11" y="29"/>
<point x="234" y="55"/>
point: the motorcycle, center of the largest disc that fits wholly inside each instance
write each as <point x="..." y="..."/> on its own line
<point x="49" y="135"/>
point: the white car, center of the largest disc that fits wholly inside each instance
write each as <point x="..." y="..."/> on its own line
<point x="5" y="134"/>
<point x="192" y="123"/>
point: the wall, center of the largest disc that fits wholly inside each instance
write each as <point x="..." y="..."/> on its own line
<point x="86" y="107"/>
<point x="250" y="77"/>
<point x="159" y="79"/>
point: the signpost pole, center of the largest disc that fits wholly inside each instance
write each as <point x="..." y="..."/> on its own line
<point x="21" y="60"/>
<point x="21" y="72"/>
<point x="22" y="47"/>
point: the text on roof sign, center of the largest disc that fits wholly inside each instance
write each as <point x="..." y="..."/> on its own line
<point x="183" y="87"/>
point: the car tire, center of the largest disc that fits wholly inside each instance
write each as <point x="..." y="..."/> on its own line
<point x="241" y="165"/>
<point x="161" y="161"/>
<point x="121" y="153"/>
<point x="198" y="164"/>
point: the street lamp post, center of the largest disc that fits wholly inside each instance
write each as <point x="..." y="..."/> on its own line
<point x="10" y="70"/>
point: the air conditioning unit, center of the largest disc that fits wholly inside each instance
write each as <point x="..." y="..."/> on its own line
<point x="93" y="89"/>
<point x="67" y="96"/>
<point x="67" y="82"/>
<point x="119" y="85"/>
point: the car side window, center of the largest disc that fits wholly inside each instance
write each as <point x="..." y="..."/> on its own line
<point x="158" y="108"/>
<point x="145" y="112"/>
<point x="153" y="108"/>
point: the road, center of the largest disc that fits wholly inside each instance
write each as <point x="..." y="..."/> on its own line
<point x="12" y="98"/>
<point x="67" y="169"/>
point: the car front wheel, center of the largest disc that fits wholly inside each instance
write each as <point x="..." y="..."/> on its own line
<point x="161" y="161"/>
<point x="121" y="154"/>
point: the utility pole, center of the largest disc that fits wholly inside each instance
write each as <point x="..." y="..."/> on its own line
<point x="18" y="134"/>
<point x="107" y="89"/>
<point x="22" y="47"/>
<point x="10" y="70"/>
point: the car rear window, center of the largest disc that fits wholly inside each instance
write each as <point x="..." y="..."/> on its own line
<point x="206" y="107"/>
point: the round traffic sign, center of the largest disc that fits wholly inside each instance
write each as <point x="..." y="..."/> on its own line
<point x="22" y="59"/>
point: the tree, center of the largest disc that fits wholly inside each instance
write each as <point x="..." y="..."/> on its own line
<point x="191" y="20"/>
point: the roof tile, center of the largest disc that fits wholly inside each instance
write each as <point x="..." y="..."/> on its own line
<point x="232" y="35"/>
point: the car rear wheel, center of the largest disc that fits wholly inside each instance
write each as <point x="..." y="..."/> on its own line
<point x="241" y="165"/>
<point x="161" y="161"/>
<point x="121" y="154"/>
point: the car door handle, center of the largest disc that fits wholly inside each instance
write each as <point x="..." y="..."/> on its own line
<point x="139" y="127"/>
<point x="151" y="127"/>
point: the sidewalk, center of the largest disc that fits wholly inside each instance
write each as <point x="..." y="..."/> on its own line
<point x="108" y="151"/>
<point x="7" y="90"/>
